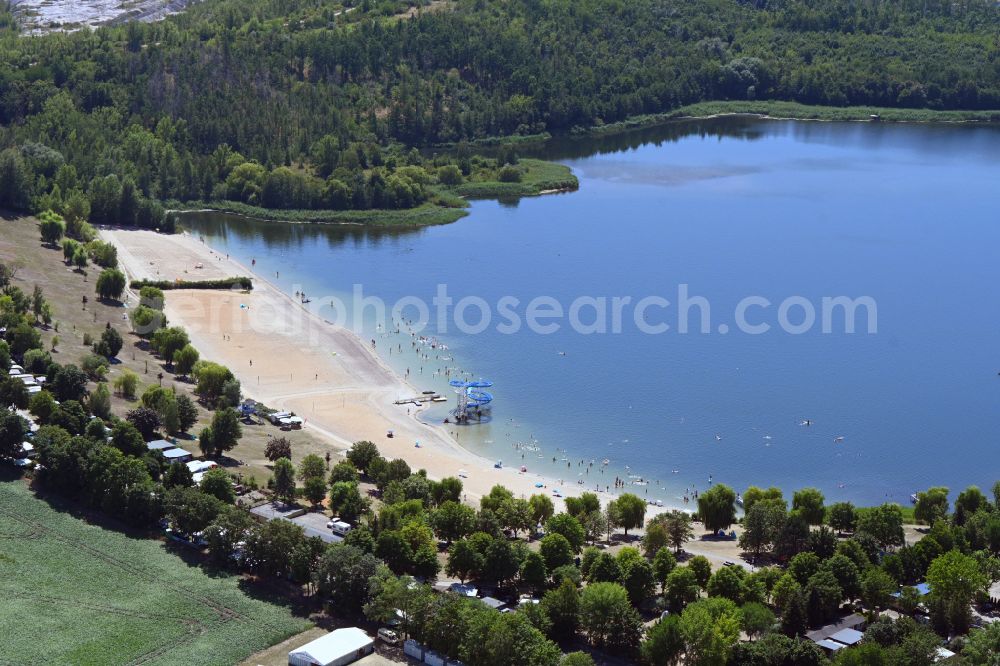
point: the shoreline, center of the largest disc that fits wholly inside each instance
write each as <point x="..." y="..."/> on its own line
<point x="351" y="393"/>
<point x="784" y="110"/>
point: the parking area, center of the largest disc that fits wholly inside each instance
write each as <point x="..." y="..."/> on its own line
<point x="314" y="524"/>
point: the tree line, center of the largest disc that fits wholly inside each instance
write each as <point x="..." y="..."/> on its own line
<point x="290" y="105"/>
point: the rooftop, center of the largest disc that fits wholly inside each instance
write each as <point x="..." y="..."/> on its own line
<point x="854" y="621"/>
<point x="176" y="454"/>
<point x="334" y="645"/>
<point x="847" y="636"/>
<point x="493" y="603"/>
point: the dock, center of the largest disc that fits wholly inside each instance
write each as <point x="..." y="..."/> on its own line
<point x="421" y="399"/>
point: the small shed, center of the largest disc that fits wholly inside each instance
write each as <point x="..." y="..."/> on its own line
<point x="848" y="636"/>
<point x="494" y="603"/>
<point x="339" y="647"/>
<point x="160" y="445"/>
<point x="200" y="465"/>
<point x="177" y="455"/>
<point x="830" y="646"/>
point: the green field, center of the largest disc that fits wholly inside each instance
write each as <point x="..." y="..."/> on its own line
<point x="75" y="593"/>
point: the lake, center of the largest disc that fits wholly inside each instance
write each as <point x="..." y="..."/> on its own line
<point x="904" y="216"/>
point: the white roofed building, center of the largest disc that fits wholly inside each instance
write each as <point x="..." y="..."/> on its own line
<point x="339" y="647"/>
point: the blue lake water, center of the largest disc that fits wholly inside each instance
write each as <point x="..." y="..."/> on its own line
<point x="733" y="208"/>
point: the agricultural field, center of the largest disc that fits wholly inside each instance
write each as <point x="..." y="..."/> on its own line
<point x="76" y="593"/>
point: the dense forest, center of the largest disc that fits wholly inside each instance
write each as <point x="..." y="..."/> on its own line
<point x="310" y="104"/>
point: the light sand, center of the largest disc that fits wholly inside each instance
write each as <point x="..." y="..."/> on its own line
<point x="290" y="359"/>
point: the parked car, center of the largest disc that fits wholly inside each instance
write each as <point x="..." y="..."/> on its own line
<point x="275" y="417"/>
<point x="388" y="636"/>
<point x="464" y="590"/>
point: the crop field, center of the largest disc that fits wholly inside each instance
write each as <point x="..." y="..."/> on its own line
<point x="75" y="593"/>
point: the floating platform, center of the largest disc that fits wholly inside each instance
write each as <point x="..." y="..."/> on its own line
<point x="420" y="399"/>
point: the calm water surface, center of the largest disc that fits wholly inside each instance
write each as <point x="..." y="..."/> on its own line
<point x="907" y="215"/>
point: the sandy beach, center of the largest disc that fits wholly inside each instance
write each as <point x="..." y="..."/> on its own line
<point x="288" y="358"/>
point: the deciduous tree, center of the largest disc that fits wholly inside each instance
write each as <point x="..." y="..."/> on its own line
<point x="717" y="508"/>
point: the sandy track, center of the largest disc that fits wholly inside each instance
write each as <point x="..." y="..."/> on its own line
<point x="288" y="358"/>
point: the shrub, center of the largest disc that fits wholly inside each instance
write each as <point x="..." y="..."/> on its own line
<point x="185" y="359"/>
<point x="36" y="361"/>
<point x="110" y="284"/>
<point x="95" y="365"/>
<point x="146" y="321"/>
<point x="151" y="297"/>
<point x="80" y="257"/>
<point x="279" y="447"/>
<point x="69" y="248"/>
<point x="126" y="384"/>
<point x="100" y="402"/>
<point x="450" y="175"/>
<point x="110" y="343"/>
<point x="103" y="254"/>
<point x="145" y="420"/>
<point x="51" y="226"/>
<point x="509" y="174"/>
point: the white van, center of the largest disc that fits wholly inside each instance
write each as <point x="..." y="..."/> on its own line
<point x="339" y="527"/>
<point x="276" y="417"/>
<point x="388" y="636"/>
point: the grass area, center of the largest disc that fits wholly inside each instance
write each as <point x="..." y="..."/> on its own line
<point x="422" y="216"/>
<point x="794" y="110"/>
<point x="77" y="593"/>
<point x="908" y="512"/>
<point x="277" y="655"/>
<point x="537" y="176"/>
